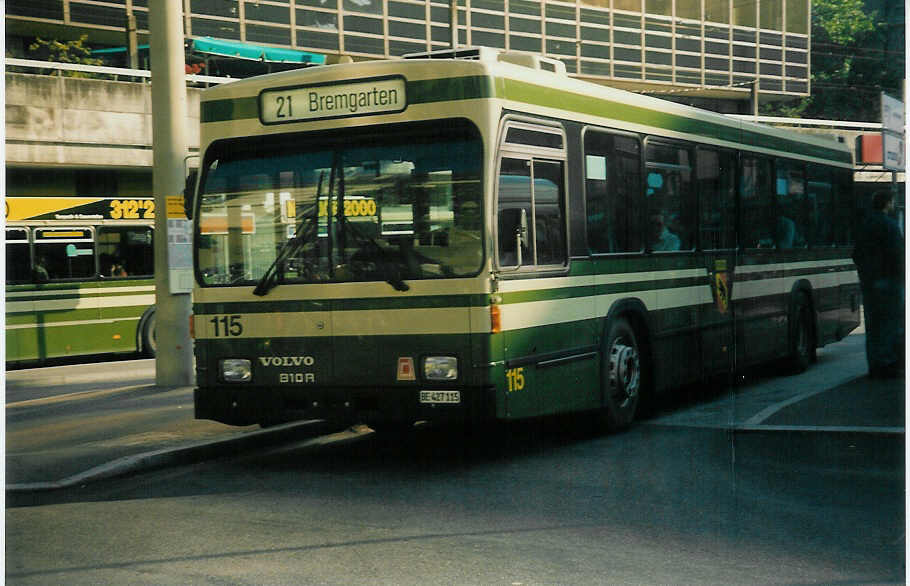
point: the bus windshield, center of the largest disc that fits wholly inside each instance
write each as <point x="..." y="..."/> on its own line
<point x="344" y="206"/>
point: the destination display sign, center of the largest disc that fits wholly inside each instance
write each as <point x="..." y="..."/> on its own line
<point x="79" y="208"/>
<point x="319" y="102"/>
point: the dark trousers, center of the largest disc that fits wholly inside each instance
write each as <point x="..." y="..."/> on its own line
<point x="883" y="309"/>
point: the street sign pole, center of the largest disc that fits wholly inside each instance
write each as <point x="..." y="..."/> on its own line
<point x="174" y="359"/>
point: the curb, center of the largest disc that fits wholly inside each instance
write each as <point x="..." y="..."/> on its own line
<point x="182" y="455"/>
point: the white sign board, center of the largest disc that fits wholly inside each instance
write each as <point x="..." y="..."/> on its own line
<point x="893" y="151"/>
<point x="892" y="114"/>
<point x="320" y="102"/>
<point x="180" y="255"/>
<point x="893" y="122"/>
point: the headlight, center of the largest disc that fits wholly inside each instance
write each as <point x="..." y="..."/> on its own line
<point x="236" y="370"/>
<point x="440" y="368"/>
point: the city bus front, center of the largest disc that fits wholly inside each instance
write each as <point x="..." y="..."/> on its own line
<point x="340" y="275"/>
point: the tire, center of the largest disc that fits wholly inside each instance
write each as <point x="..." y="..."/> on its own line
<point x="149" y="339"/>
<point x="625" y="374"/>
<point x="802" y="338"/>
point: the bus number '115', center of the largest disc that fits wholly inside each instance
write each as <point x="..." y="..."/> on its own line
<point x="227" y="325"/>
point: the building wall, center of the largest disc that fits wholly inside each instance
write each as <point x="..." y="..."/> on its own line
<point x="74" y="122"/>
<point x="639" y="44"/>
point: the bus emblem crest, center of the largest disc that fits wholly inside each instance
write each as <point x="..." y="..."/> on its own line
<point x="721" y="286"/>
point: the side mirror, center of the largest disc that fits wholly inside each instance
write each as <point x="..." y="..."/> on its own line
<point x="189" y="193"/>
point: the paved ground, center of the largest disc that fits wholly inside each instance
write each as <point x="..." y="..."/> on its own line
<point x="106" y="428"/>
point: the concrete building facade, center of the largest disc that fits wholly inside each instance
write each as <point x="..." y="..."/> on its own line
<point x="709" y="48"/>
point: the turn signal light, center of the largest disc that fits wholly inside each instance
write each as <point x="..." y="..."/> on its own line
<point x="495" y="319"/>
<point x="192" y="327"/>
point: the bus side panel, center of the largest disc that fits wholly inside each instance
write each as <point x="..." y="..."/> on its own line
<point x="551" y="369"/>
<point x="827" y="298"/>
<point x="761" y="297"/>
<point x="124" y="302"/>
<point x="849" y="303"/>
<point x="53" y="321"/>
<point x="550" y="344"/>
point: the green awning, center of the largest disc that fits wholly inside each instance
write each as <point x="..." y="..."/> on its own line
<point x="116" y="50"/>
<point x="238" y="50"/>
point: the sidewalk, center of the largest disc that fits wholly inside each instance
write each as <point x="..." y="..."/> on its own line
<point x="66" y="440"/>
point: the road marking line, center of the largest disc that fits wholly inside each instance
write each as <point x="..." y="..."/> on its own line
<point x="767" y="412"/>
<point x="883" y="430"/>
<point x="823" y="428"/>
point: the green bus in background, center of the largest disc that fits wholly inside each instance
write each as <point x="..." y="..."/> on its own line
<point x="484" y="238"/>
<point x="79" y="277"/>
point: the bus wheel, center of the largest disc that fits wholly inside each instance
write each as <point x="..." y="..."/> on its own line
<point x="623" y="375"/>
<point x="149" y="341"/>
<point x="802" y="339"/>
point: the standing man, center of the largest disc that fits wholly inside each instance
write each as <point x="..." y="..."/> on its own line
<point x="879" y="257"/>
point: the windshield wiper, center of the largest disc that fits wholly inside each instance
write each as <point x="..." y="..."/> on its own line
<point x="305" y="230"/>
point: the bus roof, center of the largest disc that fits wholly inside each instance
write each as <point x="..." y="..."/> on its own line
<point x="531" y="83"/>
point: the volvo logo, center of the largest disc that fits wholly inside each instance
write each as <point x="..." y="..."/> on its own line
<point x="287" y="360"/>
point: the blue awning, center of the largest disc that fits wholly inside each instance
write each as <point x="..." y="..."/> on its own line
<point x="238" y="50"/>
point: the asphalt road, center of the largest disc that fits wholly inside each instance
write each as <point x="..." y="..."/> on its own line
<point x="779" y="480"/>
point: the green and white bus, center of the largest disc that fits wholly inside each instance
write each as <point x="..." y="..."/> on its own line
<point x="79" y="277"/>
<point x="487" y="238"/>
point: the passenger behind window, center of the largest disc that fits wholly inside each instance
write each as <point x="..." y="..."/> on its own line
<point x="118" y="269"/>
<point x="39" y="273"/>
<point x="660" y="237"/>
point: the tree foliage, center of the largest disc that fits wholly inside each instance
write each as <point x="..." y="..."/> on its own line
<point x="851" y="64"/>
<point x="65" y="52"/>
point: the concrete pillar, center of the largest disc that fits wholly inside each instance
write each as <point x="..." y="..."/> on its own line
<point x="174" y="360"/>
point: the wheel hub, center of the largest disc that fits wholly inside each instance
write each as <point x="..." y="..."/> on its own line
<point x="625" y="371"/>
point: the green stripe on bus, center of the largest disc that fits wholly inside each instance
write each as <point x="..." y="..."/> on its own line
<point x="427" y="302"/>
<point x="580" y="291"/>
<point x="419" y="92"/>
<point x="40" y="318"/>
<point x="445" y="89"/>
<point x="555" y="98"/>
<point x="479" y="86"/>
<point x="229" y="109"/>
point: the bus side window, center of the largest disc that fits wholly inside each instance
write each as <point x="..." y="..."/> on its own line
<point x="716" y="199"/>
<point x="820" y="192"/>
<point x="64" y="253"/>
<point x="845" y="206"/>
<point x="792" y="223"/>
<point x="756" y="203"/>
<point x="612" y="192"/>
<point x="514" y="196"/>
<point x="669" y="194"/>
<point x="548" y="213"/>
<point x="18" y="266"/>
<point x="125" y="251"/>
